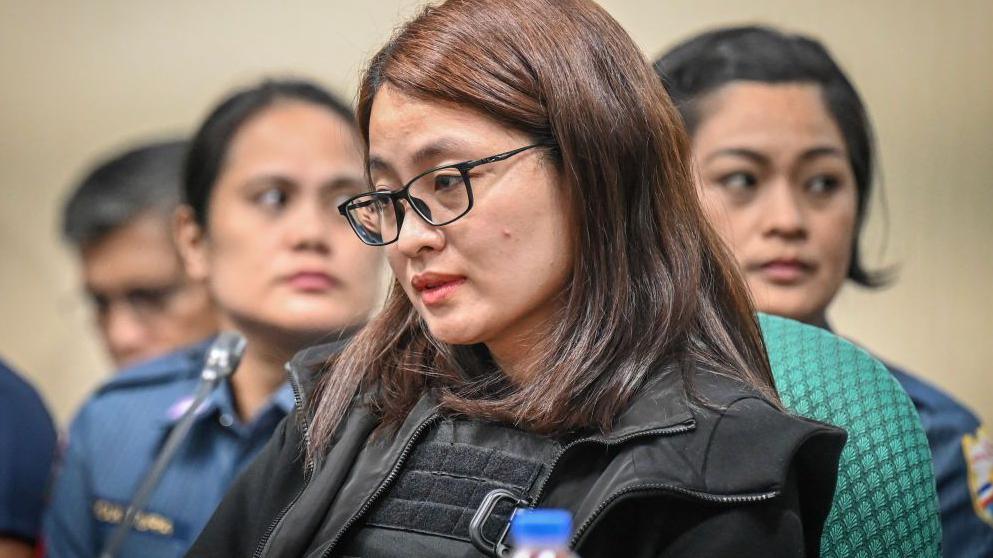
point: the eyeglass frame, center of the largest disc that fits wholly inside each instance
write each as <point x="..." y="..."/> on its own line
<point x="146" y="304"/>
<point x="403" y="193"/>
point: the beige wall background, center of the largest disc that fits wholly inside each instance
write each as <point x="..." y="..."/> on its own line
<point x="80" y="79"/>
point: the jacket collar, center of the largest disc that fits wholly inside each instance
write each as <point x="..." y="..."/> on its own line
<point x="307" y="365"/>
<point x="661" y="404"/>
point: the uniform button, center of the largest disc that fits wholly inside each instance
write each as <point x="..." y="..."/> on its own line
<point x="226" y="420"/>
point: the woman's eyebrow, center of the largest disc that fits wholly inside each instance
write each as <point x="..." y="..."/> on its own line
<point x="378" y="164"/>
<point x="738" y="152"/>
<point x="441" y="146"/>
<point x="343" y="181"/>
<point x="423" y="156"/>
<point x="270" y="179"/>
<point x="822" y="151"/>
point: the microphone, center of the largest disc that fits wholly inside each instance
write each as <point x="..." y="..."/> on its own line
<point x="223" y="358"/>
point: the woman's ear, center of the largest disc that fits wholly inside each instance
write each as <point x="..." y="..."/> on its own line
<point x="191" y="241"/>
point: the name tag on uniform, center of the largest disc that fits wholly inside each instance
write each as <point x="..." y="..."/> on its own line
<point x="112" y="513"/>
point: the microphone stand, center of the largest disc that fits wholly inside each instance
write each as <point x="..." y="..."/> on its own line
<point x="222" y="360"/>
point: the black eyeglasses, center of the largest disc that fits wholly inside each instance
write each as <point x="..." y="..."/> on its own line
<point x="440" y="196"/>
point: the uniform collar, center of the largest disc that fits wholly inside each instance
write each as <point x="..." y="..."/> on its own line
<point x="283" y="398"/>
<point x="221" y="402"/>
<point x="182" y="364"/>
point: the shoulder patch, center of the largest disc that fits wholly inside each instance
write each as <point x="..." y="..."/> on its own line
<point x="978" y="450"/>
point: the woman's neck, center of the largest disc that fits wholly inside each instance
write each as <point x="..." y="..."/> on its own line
<point x="259" y="375"/>
<point x="516" y="356"/>
<point x="518" y="351"/>
<point x="819" y="320"/>
<point x="262" y="369"/>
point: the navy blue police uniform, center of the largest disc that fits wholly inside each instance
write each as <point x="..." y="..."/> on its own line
<point x="27" y="448"/>
<point x="114" y="439"/>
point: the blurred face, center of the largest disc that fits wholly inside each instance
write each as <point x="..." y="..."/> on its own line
<point x="144" y="303"/>
<point x="281" y="262"/>
<point x="494" y="275"/>
<point x="777" y="184"/>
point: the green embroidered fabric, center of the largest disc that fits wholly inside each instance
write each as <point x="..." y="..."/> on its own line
<point x="885" y="504"/>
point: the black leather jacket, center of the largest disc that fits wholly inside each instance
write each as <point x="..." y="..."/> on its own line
<point x="671" y="479"/>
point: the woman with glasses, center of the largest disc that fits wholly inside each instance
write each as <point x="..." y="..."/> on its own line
<point x="564" y="329"/>
<point x="264" y="176"/>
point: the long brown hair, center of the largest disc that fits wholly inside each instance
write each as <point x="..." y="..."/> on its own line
<point x="652" y="290"/>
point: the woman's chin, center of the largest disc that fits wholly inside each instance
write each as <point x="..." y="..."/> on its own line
<point x="296" y="330"/>
<point x="453" y="335"/>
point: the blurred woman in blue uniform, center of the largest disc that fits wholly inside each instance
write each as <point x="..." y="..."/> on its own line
<point x="264" y="176"/>
<point x="785" y="155"/>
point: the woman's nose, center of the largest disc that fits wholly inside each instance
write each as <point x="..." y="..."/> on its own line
<point x="784" y="213"/>
<point x="417" y="235"/>
<point x="310" y="227"/>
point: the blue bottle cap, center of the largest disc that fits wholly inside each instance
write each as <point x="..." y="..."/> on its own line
<point x="545" y="527"/>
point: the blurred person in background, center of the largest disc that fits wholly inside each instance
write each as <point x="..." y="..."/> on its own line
<point x="119" y="221"/>
<point x="27" y="449"/>
<point x="260" y="229"/>
<point x="785" y="158"/>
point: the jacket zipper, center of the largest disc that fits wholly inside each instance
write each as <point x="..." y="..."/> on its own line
<point x="615" y="496"/>
<point x="304" y="424"/>
<point x="669" y="430"/>
<point x="383" y="486"/>
<point x="308" y="469"/>
<point x="660" y="487"/>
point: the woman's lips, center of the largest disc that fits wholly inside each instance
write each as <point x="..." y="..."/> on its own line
<point x="436" y="288"/>
<point x="784" y="272"/>
<point x="312" y="281"/>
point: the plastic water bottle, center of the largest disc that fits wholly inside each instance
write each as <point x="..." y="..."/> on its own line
<point x="541" y="533"/>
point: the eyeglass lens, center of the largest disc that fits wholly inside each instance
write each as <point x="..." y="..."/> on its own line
<point x="439" y="196"/>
